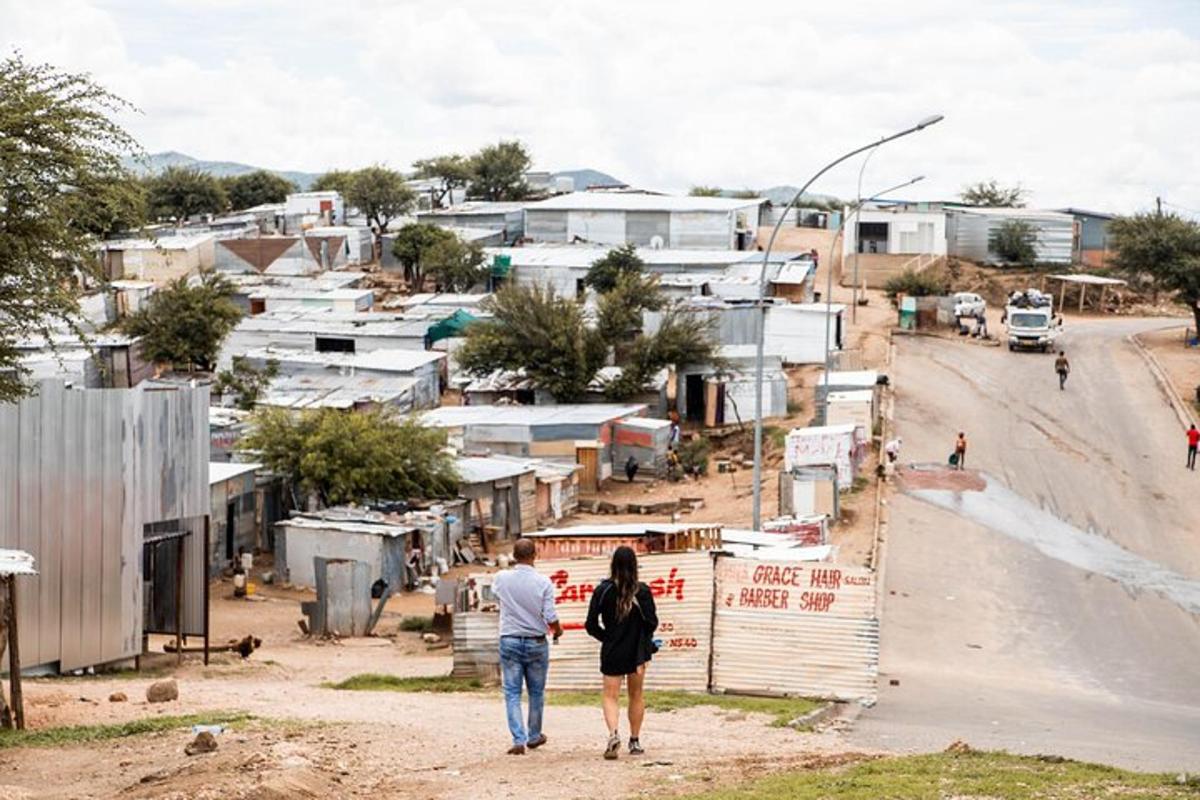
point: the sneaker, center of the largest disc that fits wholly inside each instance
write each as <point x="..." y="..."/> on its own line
<point x="614" y="747"/>
<point x="635" y="747"/>
<point x="534" y="744"/>
<point x="517" y="750"/>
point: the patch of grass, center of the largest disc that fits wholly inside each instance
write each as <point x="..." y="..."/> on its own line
<point x="375" y="682"/>
<point x="417" y="624"/>
<point x="859" y="484"/>
<point x="970" y="774"/>
<point x="783" y="709"/>
<point x="84" y="734"/>
<point x="776" y="435"/>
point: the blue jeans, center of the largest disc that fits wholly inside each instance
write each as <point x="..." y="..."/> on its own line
<point x="524" y="660"/>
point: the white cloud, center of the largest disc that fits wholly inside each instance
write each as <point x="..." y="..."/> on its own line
<point x="1085" y="103"/>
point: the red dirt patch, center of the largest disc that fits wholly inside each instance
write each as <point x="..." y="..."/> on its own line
<point x="919" y="476"/>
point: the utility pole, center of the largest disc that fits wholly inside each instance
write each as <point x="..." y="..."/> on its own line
<point x="1158" y="203"/>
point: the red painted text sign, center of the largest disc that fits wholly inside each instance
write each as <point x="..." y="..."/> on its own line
<point x="794" y="588"/>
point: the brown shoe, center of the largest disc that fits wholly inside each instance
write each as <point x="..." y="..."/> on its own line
<point x="538" y="742"/>
<point x="517" y="750"/>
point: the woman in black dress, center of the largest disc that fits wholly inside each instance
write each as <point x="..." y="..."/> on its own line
<point x="623" y="618"/>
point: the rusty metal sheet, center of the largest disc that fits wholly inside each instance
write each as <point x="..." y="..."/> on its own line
<point x="792" y="628"/>
<point x="682" y="584"/>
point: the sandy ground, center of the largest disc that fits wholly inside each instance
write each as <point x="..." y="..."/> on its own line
<point x="1181" y="363"/>
<point x="308" y="741"/>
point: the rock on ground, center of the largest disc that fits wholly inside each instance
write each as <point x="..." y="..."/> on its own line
<point x="162" y="691"/>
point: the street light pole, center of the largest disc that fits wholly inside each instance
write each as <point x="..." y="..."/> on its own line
<point x="858" y="203"/>
<point x="762" y="315"/>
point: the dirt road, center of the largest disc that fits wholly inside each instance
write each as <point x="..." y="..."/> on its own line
<point x="1057" y="610"/>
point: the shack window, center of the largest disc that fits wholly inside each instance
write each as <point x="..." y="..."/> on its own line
<point x="872" y="237"/>
<point x="327" y="344"/>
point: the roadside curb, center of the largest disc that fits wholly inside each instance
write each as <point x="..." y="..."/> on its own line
<point x="814" y="717"/>
<point x="1164" y="383"/>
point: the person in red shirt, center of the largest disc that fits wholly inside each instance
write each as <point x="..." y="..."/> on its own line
<point x="1193" y="442"/>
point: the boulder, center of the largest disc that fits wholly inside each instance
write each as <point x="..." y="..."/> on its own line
<point x="162" y="691"/>
<point x="117" y="697"/>
<point x="204" y="742"/>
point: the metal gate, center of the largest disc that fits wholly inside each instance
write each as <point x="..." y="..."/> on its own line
<point x="789" y="628"/>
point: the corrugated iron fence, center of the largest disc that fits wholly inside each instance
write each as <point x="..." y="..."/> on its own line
<point x="792" y="628"/>
<point x="727" y="624"/>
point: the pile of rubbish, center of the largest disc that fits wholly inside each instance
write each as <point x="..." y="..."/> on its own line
<point x="1030" y="298"/>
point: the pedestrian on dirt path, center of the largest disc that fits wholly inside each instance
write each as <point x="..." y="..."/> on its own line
<point x="960" y="450"/>
<point x="526" y="614"/>
<point x="631" y="469"/>
<point x="892" y="449"/>
<point x="1193" y="437"/>
<point x="623" y="618"/>
<point x="1063" y="368"/>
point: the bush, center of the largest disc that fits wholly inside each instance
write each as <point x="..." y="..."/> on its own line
<point x="1014" y="242"/>
<point x="693" y="456"/>
<point x="915" y="284"/>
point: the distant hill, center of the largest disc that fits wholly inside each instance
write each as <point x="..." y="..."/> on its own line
<point x="588" y="177"/>
<point x="157" y="162"/>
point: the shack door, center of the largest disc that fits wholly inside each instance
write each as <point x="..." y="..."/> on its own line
<point x="694" y="398"/>
<point x="589" y="459"/>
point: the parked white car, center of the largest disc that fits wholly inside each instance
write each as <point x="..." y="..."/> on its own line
<point x="968" y="304"/>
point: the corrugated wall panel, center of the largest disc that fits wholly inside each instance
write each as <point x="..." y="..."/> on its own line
<point x="72" y="478"/>
<point x="546" y="226"/>
<point x="113" y="493"/>
<point x="29" y="520"/>
<point x="683" y="588"/>
<point x="597" y="227"/>
<point x="702" y="230"/>
<point x="795" y="629"/>
<point x="92" y="546"/>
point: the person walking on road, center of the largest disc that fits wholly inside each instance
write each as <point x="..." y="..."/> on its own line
<point x="960" y="450"/>
<point x="1063" y="368"/>
<point x="1193" y="437"/>
<point x="526" y="613"/>
<point x="623" y="618"/>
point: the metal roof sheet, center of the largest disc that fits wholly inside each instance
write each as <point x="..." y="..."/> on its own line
<point x="385" y="360"/>
<point x="619" y="529"/>
<point x="221" y="471"/>
<point x="580" y="414"/>
<point x="582" y="256"/>
<point x="1090" y="280"/>
<point x="478" y="469"/>
<point x="628" y="201"/>
<point x="324" y="523"/>
<point x="16" y="562"/>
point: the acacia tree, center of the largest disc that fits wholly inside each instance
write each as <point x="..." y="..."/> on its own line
<point x="498" y="171"/>
<point x="178" y="193"/>
<point x="380" y="194"/>
<point x="454" y="172"/>
<point x="61" y="185"/>
<point x="603" y="273"/>
<point x="410" y="245"/>
<point x="185" y="323"/>
<point x="244" y="382"/>
<point x="454" y="265"/>
<point x="991" y="194"/>
<point x="335" y="180"/>
<point x="255" y="188"/>
<point x="1162" y="250"/>
<point x="351" y="457"/>
<point x="1014" y="241"/>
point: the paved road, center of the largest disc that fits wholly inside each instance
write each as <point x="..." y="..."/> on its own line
<point x="994" y="633"/>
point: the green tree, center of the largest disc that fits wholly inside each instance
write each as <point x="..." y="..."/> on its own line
<point x="1161" y="251"/>
<point x="498" y="172"/>
<point x="1014" y="241"/>
<point x="602" y="275"/>
<point x="335" y="180"/>
<point x="178" y="193"/>
<point x="537" y="331"/>
<point x="245" y="383"/>
<point x="681" y="338"/>
<point x="61" y="184"/>
<point x="705" y="191"/>
<point x="454" y="172"/>
<point x="185" y="323"/>
<point x="381" y="195"/>
<point x="992" y="195"/>
<point x="256" y="188"/>
<point x="409" y="247"/>
<point x="353" y="457"/>
<point x="454" y="265"/>
<point x="915" y="284"/>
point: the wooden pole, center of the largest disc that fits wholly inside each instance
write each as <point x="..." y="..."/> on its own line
<point x="1082" y="295"/>
<point x="179" y="600"/>
<point x="207" y="565"/>
<point x="14" y="656"/>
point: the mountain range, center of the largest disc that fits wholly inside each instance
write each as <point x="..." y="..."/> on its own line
<point x="157" y="162"/>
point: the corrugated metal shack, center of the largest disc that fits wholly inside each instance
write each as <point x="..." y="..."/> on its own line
<point x="513" y="386"/>
<point x="106" y="361"/>
<point x="508" y="218"/>
<point x="502" y="494"/>
<point x="840" y="446"/>
<point x="721" y="396"/>
<point x="551" y="432"/>
<point x="646" y="441"/>
<point x="424" y="369"/>
<point x="342" y="533"/>
<point x="805" y="490"/>
<point x="557" y="487"/>
<point x="846" y="381"/>
<point x="656" y="221"/>
<point x="347" y="392"/>
<point x="794" y="331"/>
<point x="971" y="231"/>
<point x="323" y="331"/>
<point x="87" y="477"/>
<point x="600" y="540"/>
<point x="234" y="525"/>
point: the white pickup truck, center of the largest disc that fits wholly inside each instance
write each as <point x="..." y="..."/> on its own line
<point x="1030" y="321"/>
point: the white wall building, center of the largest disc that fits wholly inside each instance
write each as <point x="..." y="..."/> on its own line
<point x="896" y="232"/>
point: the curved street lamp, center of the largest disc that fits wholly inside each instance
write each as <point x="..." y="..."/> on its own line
<point x="762" y="317"/>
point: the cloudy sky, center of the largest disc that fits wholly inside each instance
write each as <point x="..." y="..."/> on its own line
<point x="1091" y="103"/>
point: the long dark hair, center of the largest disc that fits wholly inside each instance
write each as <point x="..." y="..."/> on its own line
<point x="624" y="574"/>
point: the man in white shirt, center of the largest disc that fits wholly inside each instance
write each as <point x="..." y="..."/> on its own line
<point x="526" y="613"/>
<point x="892" y="449"/>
